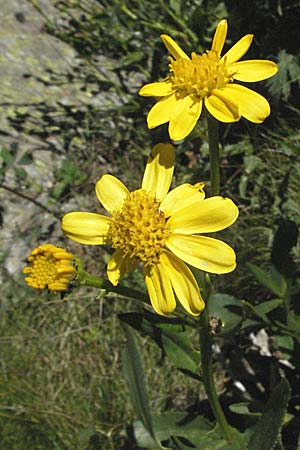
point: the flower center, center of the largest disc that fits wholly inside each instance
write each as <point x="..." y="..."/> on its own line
<point x="201" y="74"/>
<point x="44" y="270"/>
<point x="139" y="228"/>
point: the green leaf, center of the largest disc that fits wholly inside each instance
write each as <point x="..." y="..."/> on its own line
<point x="268" y="306"/>
<point x="20" y="173"/>
<point x="150" y="323"/>
<point x="289" y="72"/>
<point x="26" y="159"/>
<point x="243" y="186"/>
<point x="188" y="433"/>
<point x="69" y="174"/>
<point x="134" y="375"/>
<point x="285" y="345"/>
<point x="250" y="323"/>
<point x="6" y="159"/>
<point x="129" y="59"/>
<point x="166" y="425"/>
<point x="274" y="281"/>
<point x="58" y="189"/>
<point x="265" y="433"/>
<point x="170" y="335"/>
<point x="251" y="163"/>
<point x="228" y="309"/>
<point x="291" y="330"/>
<point x="243" y="409"/>
<point x="179" y="349"/>
<point x="263" y="309"/>
<point x="147" y="323"/>
<point x="293" y="321"/>
<point x="175" y="5"/>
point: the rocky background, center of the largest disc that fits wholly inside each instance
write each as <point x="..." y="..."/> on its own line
<point x="40" y="93"/>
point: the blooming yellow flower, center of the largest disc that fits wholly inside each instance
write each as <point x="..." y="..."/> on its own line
<point x="208" y="79"/>
<point x="50" y="267"/>
<point x="159" y="230"/>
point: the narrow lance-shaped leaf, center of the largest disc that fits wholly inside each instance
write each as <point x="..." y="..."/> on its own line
<point x="134" y="375"/>
<point x="262" y="309"/>
<point x="171" y="336"/>
<point x="276" y="285"/>
<point x="179" y="350"/>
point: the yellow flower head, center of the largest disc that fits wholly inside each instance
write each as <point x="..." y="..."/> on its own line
<point x="159" y="230"/>
<point x="208" y="79"/>
<point x="50" y="268"/>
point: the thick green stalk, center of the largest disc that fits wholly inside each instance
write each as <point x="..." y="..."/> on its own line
<point x="85" y="279"/>
<point x="213" y="142"/>
<point x="206" y="338"/>
<point x="207" y="375"/>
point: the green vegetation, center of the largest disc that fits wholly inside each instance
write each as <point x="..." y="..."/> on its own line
<point x="61" y="380"/>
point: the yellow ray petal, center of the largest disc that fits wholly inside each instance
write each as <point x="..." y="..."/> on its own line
<point x="252" y="105"/>
<point x="208" y="254"/>
<point x="65" y="270"/>
<point x="184" y="117"/>
<point x="118" y="266"/>
<point x="57" y="286"/>
<point x="238" y="50"/>
<point x="158" y="89"/>
<point x="160" y="113"/>
<point x="160" y="289"/>
<point x="62" y="255"/>
<point x="173" y="47"/>
<point x="115" y="267"/>
<point x="221" y="107"/>
<point x="210" y="215"/>
<point x="111" y="192"/>
<point x="159" y="171"/>
<point x="184" y="283"/>
<point x="85" y="227"/>
<point x="219" y="37"/>
<point x="253" y="70"/>
<point x="182" y="196"/>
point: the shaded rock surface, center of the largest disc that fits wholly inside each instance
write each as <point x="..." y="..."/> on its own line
<point x="27" y="56"/>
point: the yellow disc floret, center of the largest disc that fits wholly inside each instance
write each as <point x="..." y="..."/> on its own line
<point x="50" y="267"/>
<point x="139" y="228"/>
<point x="201" y="74"/>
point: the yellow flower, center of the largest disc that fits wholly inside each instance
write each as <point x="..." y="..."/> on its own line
<point x="50" y="268"/>
<point x="208" y="79"/>
<point x="159" y="230"/>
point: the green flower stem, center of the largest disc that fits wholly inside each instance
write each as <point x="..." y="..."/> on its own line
<point x="207" y="375"/>
<point x="213" y="142"/>
<point x="206" y="338"/>
<point x="86" y="279"/>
